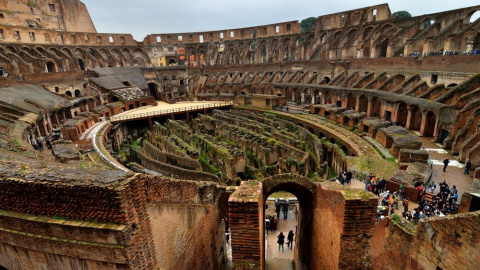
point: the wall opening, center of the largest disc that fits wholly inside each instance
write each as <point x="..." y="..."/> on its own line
<point x="78" y="93"/>
<point x="81" y="64"/>
<point x="301" y="201"/>
<point x="153" y="89"/>
<point x="51" y="67"/>
<point x="280" y="218"/>
<point x="475" y="16"/>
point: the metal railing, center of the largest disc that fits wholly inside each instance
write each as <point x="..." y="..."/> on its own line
<point x="98" y="128"/>
<point x="169" y="111"/>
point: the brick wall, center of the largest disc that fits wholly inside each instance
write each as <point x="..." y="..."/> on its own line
<point x="187" y="227"/>
<point x="87" y="203"/>
<point x="243" y="207"/>
<point x="447" y="243"/>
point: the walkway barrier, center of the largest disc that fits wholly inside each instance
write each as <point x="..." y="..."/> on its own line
<point x="169" y="111"/>
<point x="97" y="149"/>
<point x="287" y="109"/>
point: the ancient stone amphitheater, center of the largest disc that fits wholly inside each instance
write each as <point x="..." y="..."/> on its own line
<point x="159" y="146"/>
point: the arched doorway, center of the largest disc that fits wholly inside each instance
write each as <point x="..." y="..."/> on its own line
<point x="51" y="67"/>
<point x="327" y="80"/>
<point x="328" y="97"/>
<point x="383" y="48"/>
<point x="351" y="101"/>
<point x="172" y="62"/>
<point x="415" y="118"/>
<point x="402" y="114"/>
<point x="363" y="104"/>
<point x="81" y="63"/>
<point x="153" y="89"/>
<point x="68" y="93"/>
<point x="78" y="93"/>
<point x="430" y="122"/>
<point x="304" y="191"/>
<point x="376" y="106"/>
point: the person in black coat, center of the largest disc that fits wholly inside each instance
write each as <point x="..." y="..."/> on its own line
<point x="281" y="241"/>
<point x="285" y="209"/>
<point x="290" y="239"/>
<point x="445" y="164"/>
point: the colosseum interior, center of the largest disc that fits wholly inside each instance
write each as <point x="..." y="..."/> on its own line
<point x="166" y="153"/>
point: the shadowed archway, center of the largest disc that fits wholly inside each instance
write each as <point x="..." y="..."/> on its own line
<point x="305" y="192"/>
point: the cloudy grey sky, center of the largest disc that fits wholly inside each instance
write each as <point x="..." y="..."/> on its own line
<point x="143" y="17"/>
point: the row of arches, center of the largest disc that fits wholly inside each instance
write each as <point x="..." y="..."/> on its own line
<point x="38" y="59"/>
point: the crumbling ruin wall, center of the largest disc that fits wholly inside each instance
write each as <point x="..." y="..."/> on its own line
<point x="440" y="243"/>
<point x="183" y="162"/>
<point x="343" y="222"/>
<point x="187" y="226"/>
<point x="74" y="226"/>
<point x="173" y="171"/>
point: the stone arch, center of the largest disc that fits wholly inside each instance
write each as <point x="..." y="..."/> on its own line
<point x="51" y="67"/>
<point x="430" y="122"/>
<point x="336" y="35"/>
<point x="427" y="23"/>
<point x="10" y="49"/>
<point x="328" y="97"/>
<point x="376" y="106"/>
<point x="367" y="32"/>
<point x="351" y="34"/>
<point x="78" y="93"/>
<point x="384" y="48"/>
<point x="153" y="88"/>
<point x="363" y="103"/>
<point x="327" y="79"/>
<point x="67" y="52"/>
<point x="402" y="112"/>
<point x="351" y="101"/>
<point x="305" y="191"/>
<point x="68" y="93"/>
<point x="472" y="16"/>
<point x="415" y="118"/>
<point x="172" y="62"/>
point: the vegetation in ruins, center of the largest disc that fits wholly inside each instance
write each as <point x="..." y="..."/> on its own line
<point x="307" y="24"/>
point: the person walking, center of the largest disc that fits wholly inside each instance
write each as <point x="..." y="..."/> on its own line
<point x="445" y="164"/>
<point x="285" y="209"/>
<point x="405" y="205"/>
<point x="281" y="241"/>
<point x="468" y="165"/>
<point x="278" y="207"/>
<point x="290" y="239"/>
<point x="402" y="193"/>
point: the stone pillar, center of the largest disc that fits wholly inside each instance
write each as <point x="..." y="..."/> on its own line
<point x="244" y="206"/>
<point x="369" y="108"/>
<point x="422" y="125"/>
<point x="409" y="118"/>
<point x="357" y="103"/>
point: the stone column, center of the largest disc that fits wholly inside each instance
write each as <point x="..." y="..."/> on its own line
<point x="409" y="118"/>
<point x="246" y="236"/>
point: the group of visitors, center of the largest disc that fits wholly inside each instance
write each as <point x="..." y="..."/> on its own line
<point x="37" y="143"/>
<point x="283" y="206"/>
<point x="441" y="204"/>
<point x="446" y="52"/>
<point x="345" y="177"/>
<point x="375" y="185"/>
<point x="281" y="240"/>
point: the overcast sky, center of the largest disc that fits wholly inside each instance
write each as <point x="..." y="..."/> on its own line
<point x="143" y="17"/>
